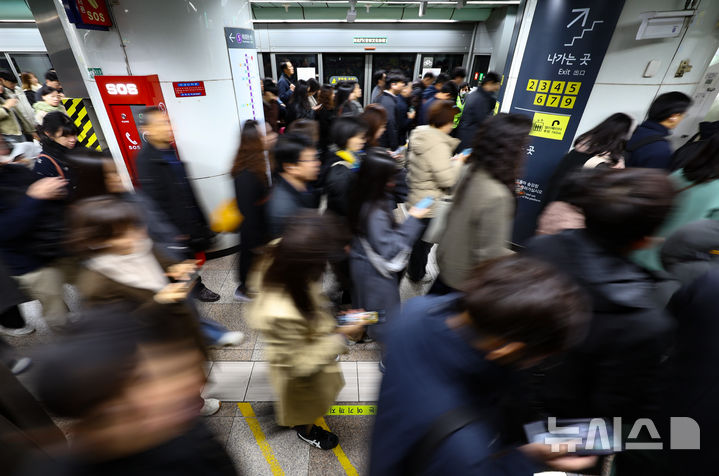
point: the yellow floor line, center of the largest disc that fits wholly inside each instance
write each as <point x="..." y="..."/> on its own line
<point x="254" y="425"/>
<point x="341" y="456"/>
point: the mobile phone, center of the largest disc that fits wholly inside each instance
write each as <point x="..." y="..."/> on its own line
<point x="411" y="109"/>
<point x="467" y="151"/>
<point x="367" y="317"/>
<point x="426" y="202"/>
<point x="599" y="435"/>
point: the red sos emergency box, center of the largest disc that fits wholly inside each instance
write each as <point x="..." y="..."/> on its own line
<point x="125" y="97"/>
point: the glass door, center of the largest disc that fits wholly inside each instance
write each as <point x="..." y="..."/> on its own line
<point x="403" y="62"/>
<point x="338" y="67"/>
<point x="298" y="61"/>
<point x="446" y="63"/>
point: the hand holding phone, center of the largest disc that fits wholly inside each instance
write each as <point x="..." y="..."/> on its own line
<point x="426" y="202"/>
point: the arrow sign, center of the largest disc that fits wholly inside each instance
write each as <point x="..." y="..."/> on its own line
<point x="584" y="15"/>
<point x="232" y="37"/>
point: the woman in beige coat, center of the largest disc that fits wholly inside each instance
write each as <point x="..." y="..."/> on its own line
<point x="433" y="170"/>
<point x="302" y="337"/>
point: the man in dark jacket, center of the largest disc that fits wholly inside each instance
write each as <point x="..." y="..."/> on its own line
<point x="451" y="360"/>
<point x="478" y="105"/>
<point x="163" y="178"/>
<point x="689" y="255"/>
<point x="449" y="92"/>
<point x="298" y="166"/>
<point x="32" y="233"/>
<point x="285" y="86"/>
<point x="394" y="85"/>
<point x="648" y="146"/>
<point x="618" y="369"/>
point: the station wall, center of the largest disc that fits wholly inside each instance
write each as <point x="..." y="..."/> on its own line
<point x="621" y="87"/>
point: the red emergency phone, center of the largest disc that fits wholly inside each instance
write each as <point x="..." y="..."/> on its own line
<point x="125" y="97"/>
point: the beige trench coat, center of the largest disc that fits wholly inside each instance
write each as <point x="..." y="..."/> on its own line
<point x="304" y="374"/>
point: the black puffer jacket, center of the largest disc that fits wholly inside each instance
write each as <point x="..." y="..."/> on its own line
<point x="168" y="186"/>
<point x="619" y="368"/>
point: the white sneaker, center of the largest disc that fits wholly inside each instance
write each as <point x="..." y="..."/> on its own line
<point x="22" y="331"/>
<point x="20" y="365"/>
<point x="242" y="296"/>
<point x="229" y="339"/>
<point x="211" y="406"/>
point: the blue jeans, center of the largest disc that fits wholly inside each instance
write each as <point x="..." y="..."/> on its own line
<point x="211" y="330"/>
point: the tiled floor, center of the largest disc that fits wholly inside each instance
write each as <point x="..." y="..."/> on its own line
<point x="240" y="374"/>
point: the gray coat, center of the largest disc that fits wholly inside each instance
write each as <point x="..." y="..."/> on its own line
<point x="374" y="291"/>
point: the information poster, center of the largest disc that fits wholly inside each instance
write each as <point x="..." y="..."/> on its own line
<point x="245" y="73"/>
<point x="566" y="45"/>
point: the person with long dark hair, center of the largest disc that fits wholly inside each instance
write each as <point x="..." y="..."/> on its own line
<point x="325" y="115"/>
<point x="302" y="337"/>
<point x="605" y="142"/>
<point x="58" y="136"/>
<point x="381" y="247"/>
<point x="252" y="179"/>
<point x="299" y="106"/>
<point x="698" y="198"/>
<point x="346" y="99"/>
<point x="375" y="117"/>
<point x="479" y="224"/>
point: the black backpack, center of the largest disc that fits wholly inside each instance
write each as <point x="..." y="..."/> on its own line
<point x="639" y="144"/>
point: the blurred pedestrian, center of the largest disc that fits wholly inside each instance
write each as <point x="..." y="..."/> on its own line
<point x="452" y="359"/>
<point x="378" y="80"/>
<point x="297" y="167"/>
<point x="299" y="104"/>
<point x="348" y="136"/>
<point x="285" y="85"/>
<point x="388" y="100"/>
<point x="381" y="247"/>
<point x="433" y="171"/>
<point x="347" y="99"/>
<point x="30" y="85"/>
<point x="325" y="115"/>
<point x="51" y="81"/>
<point x="478" y="105"/>
<point x="302" y="338"/>
<point x="13" y="91"/>
<point x="479" y="223"/>
<point x="252" y="179"/>
<point x="164" y="178"/>
<point x="50" y="101"/>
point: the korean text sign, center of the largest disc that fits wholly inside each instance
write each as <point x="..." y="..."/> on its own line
<point x="567" y="43"/>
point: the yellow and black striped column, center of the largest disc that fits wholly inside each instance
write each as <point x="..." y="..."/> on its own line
<point x="77" y="112"/>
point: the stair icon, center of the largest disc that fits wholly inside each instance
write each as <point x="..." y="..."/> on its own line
<point x="583" y="32"/>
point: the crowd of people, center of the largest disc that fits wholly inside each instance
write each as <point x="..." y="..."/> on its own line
<point x="605" y="313"/>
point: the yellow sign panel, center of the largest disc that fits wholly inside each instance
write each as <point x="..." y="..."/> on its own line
<point x="568" y="102"/>
<point x="573" y="88"/>
<point x="557" y="87"/>
<point x="549" y="126"/>
<point x="553" y="101"/>
<point x="544" y="86"/>
<point x="532" y="85"/>
<point x="540" y="99"/>
<point x="352" y="410"/>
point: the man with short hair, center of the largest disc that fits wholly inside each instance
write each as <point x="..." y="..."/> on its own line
<point x="13" y="91"/>
<point x="418" y="89"/>
<point x="432" y="89"/>
<point x="451" y="360"/>
<point x="448" y="92"/>
<point x="379" y="80"/>
<point x="52" y="81"/>
<point x="388" y="100"/>
<point x="477" y="106"/>
<point x="298" y="166"/>
<point x="648" y="146"/>
<point x="458" y="75"/>
<point x="285" y="86"/>
<point x="163" y="178"/>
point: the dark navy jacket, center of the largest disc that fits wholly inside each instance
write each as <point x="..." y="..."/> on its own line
<point x="655" y="155"/>
<point x="283" y="88"/>
<point x="432" y="369"/>
<point x="390" y="138"/>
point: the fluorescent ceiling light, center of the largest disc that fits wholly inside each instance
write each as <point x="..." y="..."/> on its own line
<point x="356" y="21"/>
<point x="373" y="2"/>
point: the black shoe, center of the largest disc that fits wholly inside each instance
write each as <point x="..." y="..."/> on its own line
<point x="319" y="438"/>
<point x="205" y="295"/>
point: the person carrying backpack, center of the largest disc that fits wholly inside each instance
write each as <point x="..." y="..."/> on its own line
<point x="648" y="147"/>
